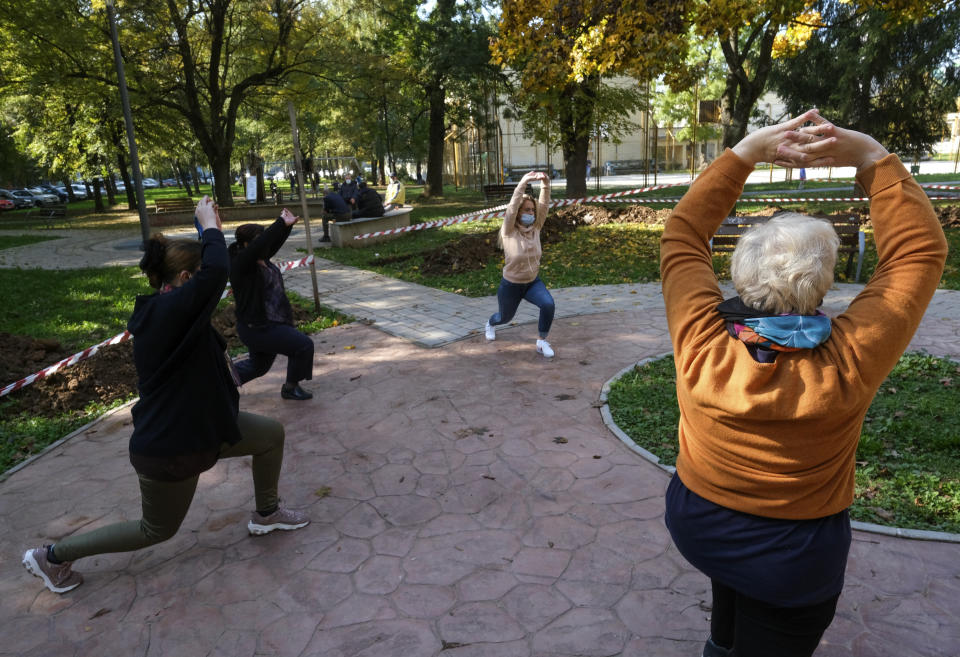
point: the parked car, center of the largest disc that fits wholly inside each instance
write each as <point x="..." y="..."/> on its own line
<point x="79" y="191"/>
<point x="59" y="192"/>
<point x="619" y="167"/>
<point x="7" y="204"/>
<point x="150" y="183"/>
<point x="43" y="197"/>
<point x="169" y="182"/>
<point x="18" y="201"/>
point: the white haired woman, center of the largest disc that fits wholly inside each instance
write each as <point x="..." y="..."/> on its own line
<point x="773" y="393"/>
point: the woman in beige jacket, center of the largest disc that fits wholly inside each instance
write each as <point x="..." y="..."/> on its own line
<point x="520" y="239"/>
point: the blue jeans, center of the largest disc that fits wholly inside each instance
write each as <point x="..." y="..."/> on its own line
<point x="509" y="296"/>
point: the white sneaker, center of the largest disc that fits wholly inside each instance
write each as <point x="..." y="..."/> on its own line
<point x="490" y="331"/>
<point x="543" y="347"/>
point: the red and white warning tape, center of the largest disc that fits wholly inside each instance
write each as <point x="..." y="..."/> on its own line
<point x="66" y="362"/>
<point x="491" y="213"/>
<point x="117" y="339"/>
<point x="784" y="199"/>
<point x="932" y="186"/>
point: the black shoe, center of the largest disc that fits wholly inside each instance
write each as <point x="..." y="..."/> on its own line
<point x="710" y="649"/>
<point x="296" y="393"/>
<point x="325" y="238"/>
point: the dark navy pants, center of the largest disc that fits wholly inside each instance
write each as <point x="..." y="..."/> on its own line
<point x="509" y="296"/>
<point x="265" y="342"/>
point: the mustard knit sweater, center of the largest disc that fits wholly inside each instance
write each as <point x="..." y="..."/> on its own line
<point x="779" y="439"/>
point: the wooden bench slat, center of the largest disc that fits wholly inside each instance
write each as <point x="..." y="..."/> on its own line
<point x="848" y="230"/>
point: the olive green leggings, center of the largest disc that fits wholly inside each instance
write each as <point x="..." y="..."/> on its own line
<point x="165" y="503"/>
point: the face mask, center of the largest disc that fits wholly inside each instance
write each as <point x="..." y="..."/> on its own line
<point x="347" y="181"/>
<point x="527" y="219"/>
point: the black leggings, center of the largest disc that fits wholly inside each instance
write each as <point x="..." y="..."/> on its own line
<point x="757" y="629"/>
<point x="265" y="342"/>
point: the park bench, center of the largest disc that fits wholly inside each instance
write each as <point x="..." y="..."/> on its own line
<point x="495" y="192"/>
<point x="174" y="205"/>
<point x="50" y="214"/>
<point x="343" y="232"/>
<point x="618" y="167"/>
<point x="852" y="239"/>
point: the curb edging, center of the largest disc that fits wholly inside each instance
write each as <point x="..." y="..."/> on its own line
<point x="867" y="527"/>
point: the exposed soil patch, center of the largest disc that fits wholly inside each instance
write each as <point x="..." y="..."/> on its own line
<point x="105" y="377"/>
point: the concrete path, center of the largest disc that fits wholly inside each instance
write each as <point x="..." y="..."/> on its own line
<point x="466" y="501"/>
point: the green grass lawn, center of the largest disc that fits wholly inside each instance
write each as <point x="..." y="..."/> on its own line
<point x="11" y="241"/>
<point x="908" y="460"/>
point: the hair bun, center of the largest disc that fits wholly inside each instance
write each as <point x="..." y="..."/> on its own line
<point x="151" y="264"/>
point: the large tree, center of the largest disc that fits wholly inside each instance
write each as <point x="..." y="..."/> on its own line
<point x="750" y="32"/>
<point x="559" y="51"/>
<point x="196" y="59"/>
<point x="891" y="78"/>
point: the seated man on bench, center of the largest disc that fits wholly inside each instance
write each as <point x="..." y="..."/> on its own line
<point x="369" y="203"/>
<point x="334" y="207"/>
<point x="396" y="194"/>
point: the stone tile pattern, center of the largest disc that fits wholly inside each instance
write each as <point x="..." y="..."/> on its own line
<point x="449" y="518"/>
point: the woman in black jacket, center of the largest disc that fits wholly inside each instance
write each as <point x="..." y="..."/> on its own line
<point x="264" y="315"/>
<point x="187" y="415"/>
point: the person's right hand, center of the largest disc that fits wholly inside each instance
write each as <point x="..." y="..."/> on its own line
<point x="206" y="213"/>
<point x="844" y="148"/>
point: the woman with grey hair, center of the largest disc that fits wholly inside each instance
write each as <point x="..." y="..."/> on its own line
<point x="773" y="393"/>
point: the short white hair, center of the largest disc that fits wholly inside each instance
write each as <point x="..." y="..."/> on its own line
<point x="786" y="264"/>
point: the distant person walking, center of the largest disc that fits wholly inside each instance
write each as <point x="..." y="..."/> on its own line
<point x="803" y="177"/>
<point x="334" y="208"/>
<point x="520" y="239"/>
<point x="187" y="416"/>
<point x="264" y="314"/>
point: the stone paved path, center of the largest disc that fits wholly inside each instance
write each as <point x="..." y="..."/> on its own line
<point x="448" y="517"/>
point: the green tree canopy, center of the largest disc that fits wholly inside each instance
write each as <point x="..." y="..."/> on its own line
<point x="558" y="52"/>
<point x="890" y="78"/>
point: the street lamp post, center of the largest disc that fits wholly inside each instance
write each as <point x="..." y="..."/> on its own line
<point x="128" y="121"/>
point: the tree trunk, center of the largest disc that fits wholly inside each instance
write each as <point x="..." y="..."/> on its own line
<point x="111" y="189"/>
<point x="97" y="196"/>
<point x="127" y="183"/>
<point x="71" y="197"/>
<point x="575" y="114"/>
<point x="437" y="128"/>
<point x="184" y="183"/>
<point x="740" y="93"/>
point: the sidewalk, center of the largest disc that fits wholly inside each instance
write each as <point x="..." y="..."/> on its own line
<point x="448" y="518"/>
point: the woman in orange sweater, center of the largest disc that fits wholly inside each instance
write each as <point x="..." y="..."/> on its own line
<point x="772" y="393"/>
<point x="520" y="239"/>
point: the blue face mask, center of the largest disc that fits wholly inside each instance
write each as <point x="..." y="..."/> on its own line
<point x="527" y="219"/>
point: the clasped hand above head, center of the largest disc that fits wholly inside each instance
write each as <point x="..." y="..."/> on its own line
<point x="793" y="144"/>
<point x="207" y="214"/>
<point x="536" y="175"/>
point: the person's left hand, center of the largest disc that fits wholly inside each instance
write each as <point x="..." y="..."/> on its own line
<point x="288" y="217"/>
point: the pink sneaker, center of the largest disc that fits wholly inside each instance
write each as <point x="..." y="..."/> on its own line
<point x="58" y="577"/>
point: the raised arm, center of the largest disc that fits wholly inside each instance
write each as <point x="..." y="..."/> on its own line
<point x="266" y="245"/>
<point x="690" y="290"/>
<point x="513" y="207"/>
<point x="911" y="248"/>
<point x="543" y="204"/>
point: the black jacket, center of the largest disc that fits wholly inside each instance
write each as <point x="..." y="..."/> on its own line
<point x="246" y="277"/>
<point x="369" y="204"/>
<point x="188" y="401"/>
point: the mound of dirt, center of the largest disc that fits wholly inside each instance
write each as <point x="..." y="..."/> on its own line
<point x="106" y="376"/>
<point x="949" y="215"/>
